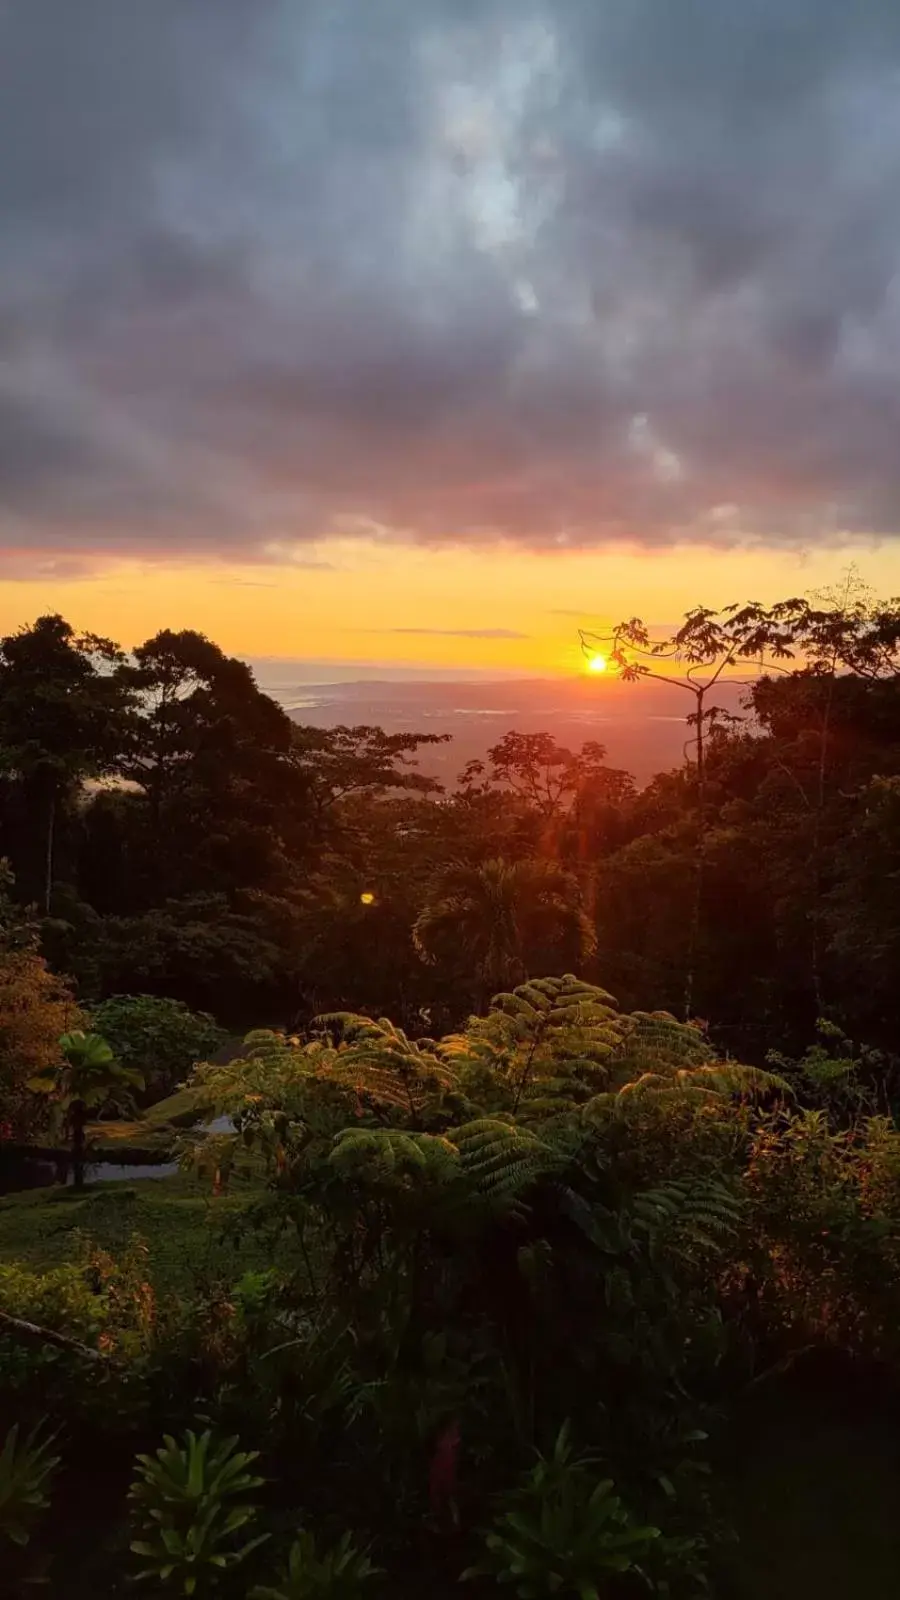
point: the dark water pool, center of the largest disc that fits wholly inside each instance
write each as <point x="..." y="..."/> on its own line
<point x="107" y="1171"/>
<point x="23" y="1172"/>
<point x="19" y="1170"/>
<point x="18" y="1173"/>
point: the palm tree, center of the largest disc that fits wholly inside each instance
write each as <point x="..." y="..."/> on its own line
<point x="85" y="1078"/>
<point x="503" y="919"/>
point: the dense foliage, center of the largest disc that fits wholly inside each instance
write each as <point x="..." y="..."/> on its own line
<point x="161" y="1039"/>
<point x="183" y="839"/>
<point x="36" y="1007"/>
<point x="476" y="1264"/>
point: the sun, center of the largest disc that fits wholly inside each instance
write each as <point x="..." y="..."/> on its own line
<point x="597" y="664"/>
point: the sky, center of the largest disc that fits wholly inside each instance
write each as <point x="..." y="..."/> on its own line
<point x="411" y="333"/>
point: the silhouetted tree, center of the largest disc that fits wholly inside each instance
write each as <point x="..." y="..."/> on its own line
<point x="337" y="763"/>
<point x="65" y="715"/>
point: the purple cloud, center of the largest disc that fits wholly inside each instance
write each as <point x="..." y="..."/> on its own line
<point x="556" y="276"/>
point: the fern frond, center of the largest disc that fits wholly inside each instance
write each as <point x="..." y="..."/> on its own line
<point x="390" y="1155"/>
<point x="705" y="1213"/>
<point x="654" y="1041"/>
<point x="729" y="1078"/>
<point x="502" y="1159"/>
<point x="378" y="1062"/>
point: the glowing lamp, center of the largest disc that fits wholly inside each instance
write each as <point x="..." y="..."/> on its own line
<point x="367" y="898"/>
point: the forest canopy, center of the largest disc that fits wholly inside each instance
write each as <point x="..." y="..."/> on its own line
<point x="519" y="1146"/>
<point x="176" y="834"/>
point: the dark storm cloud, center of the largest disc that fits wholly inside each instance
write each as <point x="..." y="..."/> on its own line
<point x="554" y="274"/>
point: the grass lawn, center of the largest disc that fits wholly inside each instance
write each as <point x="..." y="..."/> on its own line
<point x="190" y="1233"/>
<point x="815" y="1493"/>
<point x="154" y="1130"/>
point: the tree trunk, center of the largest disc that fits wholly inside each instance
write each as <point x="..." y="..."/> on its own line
<point x="698" y="872"/>
<point x="817" y="888"/>
<point x="48" y="857"/>
<point x="78" y="1115"/>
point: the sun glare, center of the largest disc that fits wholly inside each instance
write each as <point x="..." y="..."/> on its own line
<point x="597" y="664"/>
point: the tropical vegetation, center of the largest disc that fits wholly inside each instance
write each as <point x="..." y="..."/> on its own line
<point x="531" y="1161"/>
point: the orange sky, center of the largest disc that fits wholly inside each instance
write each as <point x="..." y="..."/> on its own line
<point x="553" y="274"/>
<point x="356" y="609"/>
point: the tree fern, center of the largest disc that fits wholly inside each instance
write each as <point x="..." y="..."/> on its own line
<point x="380" y="1063"/>
<point x="654" y="1041"/>
<point x="705" y="1213"/>
<point x="731" y="1078"/>
<point x="502" y="1159"/>
<point x="719" y="1083"/>
<point x="659" y="1055"/>
<point x="581" y="1018"/>
<point x="370" y="1062"/>
<point x="390" y="1155"/>
<point x="488" y="1163"/>
<point x="542" y="1049"/>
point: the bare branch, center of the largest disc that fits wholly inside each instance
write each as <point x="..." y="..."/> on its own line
<point x="31" y="1333"/>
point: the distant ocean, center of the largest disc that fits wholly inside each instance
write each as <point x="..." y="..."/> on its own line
<point x="639" y="724"/>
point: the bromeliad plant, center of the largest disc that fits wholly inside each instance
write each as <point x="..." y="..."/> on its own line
<point x="337" y="1573"/>
<point x="564" y="1532"/>
<point x="26" y="1470"/>
<point x="190" y="1514"/>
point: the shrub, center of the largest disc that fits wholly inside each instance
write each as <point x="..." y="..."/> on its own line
<point x="161" y="1039"/>
<point x="101" y="1299"/>
<point x="35" y="1009"/>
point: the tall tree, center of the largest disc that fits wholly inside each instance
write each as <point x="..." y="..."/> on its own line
<point x="695" y="660"/>
<point x="849" y="640"/>
<point x="341" y="763"/>
<point x="209" y="760"/>
<point x="64" y="713"/>
<point x="846" y="627"/>
<point x="546" y="776"/>
<point x="535" y="768"/>
<point x="202" y="721"/>
<point x="224" y="953"/>
<point x="863" y="913"/>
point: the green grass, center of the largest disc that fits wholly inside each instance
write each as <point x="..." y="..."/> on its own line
<point x="178" y="1110"/>
<point x="153" y="1131"/>
<point x="190" y="1233"/>
<point x="815" y="1493"/>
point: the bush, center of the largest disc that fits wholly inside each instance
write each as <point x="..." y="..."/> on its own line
<point x="103" y="1300"/>
<point x="161" y="1039"/>
<point x="563" y="1211"/>
<point x="36" y="1007"/>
